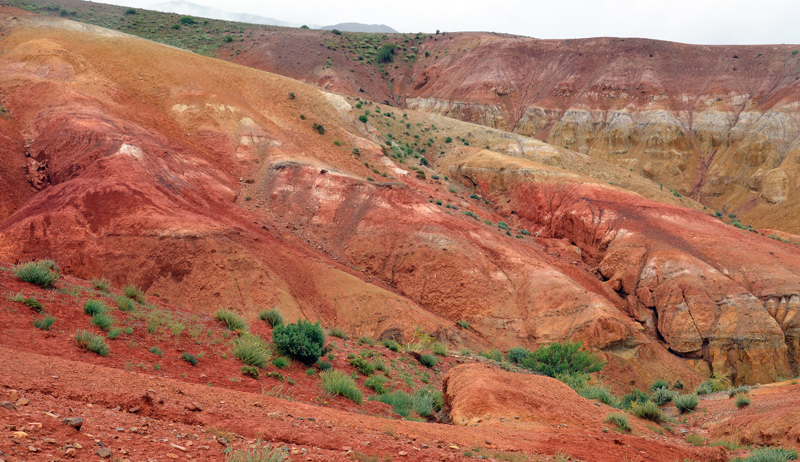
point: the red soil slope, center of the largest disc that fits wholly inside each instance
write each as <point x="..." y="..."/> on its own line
<point x="717" y="123"/>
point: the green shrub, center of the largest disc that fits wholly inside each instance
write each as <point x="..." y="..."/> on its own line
<point x="428" y="360"/>
<point x="134" y="293"/>
<point x="685" y="403"/>
<point x="517" y="355"/>
<point x="189" y="358"/>
<point x="385" y="53"/>
<point x="647" y="410"/>
<point x="620" y="421"/>
<point x="391" y="344"/>
<point x="503" y="225"/>
<point x="102" y="320"/>
<point x="695" y="440"/>
<point x="232" y="320"/>
<point x="713" y="384"/>
<point x="439" y="348"/>
<point x="43" y="273"/>
<point x="336" y="332"/>
<point x="251" y="350"/>
<point x="659" y="384"/>
<point x="361" y="366"/>
<point x="363" y="118"/>
<point x="494" y="354"/>
<point x="93" y="307"/>
<point x="44" y="323"/>
<point x="742" y="400"/>
<point x="324" y="365"/>
<point x="252" y="371"/>
<point x="635" y="396"/>
<point x="337" y="383"/>
<point x="302" y="341"/>
<point x="266" y="454"/>
<point x="563" y="358"/>
<point x="771" y="455"/>
<point x="33" y="303"/>
<point x="128" y="330"/>
<point x="114" y="333"/>
<point x="156" y="351"/>
<point x="600" y="394"/>
<point x="463" y="324"/>
<point x="425" y="403"/>
<point x="744" y="389"/>
<point x="101" y="284"/>
<point x="272" y="316"/>
<point x="366" y="340"/>
<point x="662" y="396"/>
<point x="281" y="362"/>
<point x="125" y="304"/>
<point x="91" y="342"/>
<point x="577" y="380"/>
<point x="376" y="383"/>
<point x="188" y="20"/>
<point x="400" y="401"/>
<point x="704" y="388"/>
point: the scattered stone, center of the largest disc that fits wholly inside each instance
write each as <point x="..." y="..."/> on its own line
<point x="222" y="441"/>
<point x="49" y="441"/>
<point x="134" y="409"/>
<point x="33" y="425"/>
<point x="123" y="451"/>
<point x="120" y="429"/>
<point x="104" y="453"/>
<point x="33" y="449"/>
<point x="70" y="452"/>
<point x="453" y="446"/>
<point x="50" y="414"/>
<point x="171" y="456"/>
<point x="9" y="405"/>
<point x="13" y="395"/>
<point x="77" y="445"/>
<point x="180" y="448"/>
<point x="193" y="407"/>
<point x="89" y="405"/>
<point x="402" y="453"/>
<point x="423" y="446"/>
<point x="19" y="435"/>
<point x="23" y="402"/>
<point x="74" y="422"/>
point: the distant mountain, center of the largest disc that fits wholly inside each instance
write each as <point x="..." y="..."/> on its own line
<point x="358" y="27"/>
<point x="184" y="7"/>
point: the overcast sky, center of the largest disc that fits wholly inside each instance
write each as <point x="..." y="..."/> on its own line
<point x="689" y="21"/>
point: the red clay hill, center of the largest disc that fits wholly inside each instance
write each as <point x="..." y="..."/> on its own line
<point x="213" y="185"/>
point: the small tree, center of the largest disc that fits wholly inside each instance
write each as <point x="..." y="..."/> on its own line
<point x="188" y="20"/>
<point x="302" y="341"/>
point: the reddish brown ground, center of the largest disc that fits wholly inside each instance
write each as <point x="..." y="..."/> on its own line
<point x="139" y="412"/>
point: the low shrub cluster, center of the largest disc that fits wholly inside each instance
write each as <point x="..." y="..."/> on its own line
<point x="302" y="341"/>
<point x="91" y="342"/>
<point x="43" y="273"/>
<point x="337" y="383"/>
<point x="231" y="319"/>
